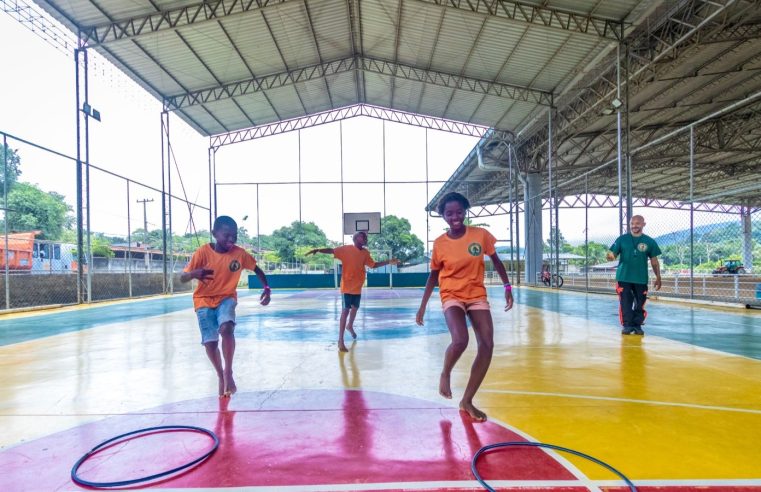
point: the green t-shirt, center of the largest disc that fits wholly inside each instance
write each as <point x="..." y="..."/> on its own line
<point x="634" y="255"/>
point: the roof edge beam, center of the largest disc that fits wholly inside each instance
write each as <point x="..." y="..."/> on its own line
<point x="536" y="15"/>
<point x="344" y="113"/>
<point x="322" y="70"/>
<point x="167" y="20"/>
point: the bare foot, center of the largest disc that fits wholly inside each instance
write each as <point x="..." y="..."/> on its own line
<point x="352" y="332"/>
<point x="342" y="347"/>
<point x="474" y="413"/>
<point x="221" y="387"/>
<point x="444" y="389"/>
<point x="230" y="387"/>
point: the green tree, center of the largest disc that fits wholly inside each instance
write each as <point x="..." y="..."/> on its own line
<point x="565" y="246"/>
<point x="34" y="209"/>
<point x="396" y="236"/>
<point x="13" y="162"/>
<point x="288" y="239"/>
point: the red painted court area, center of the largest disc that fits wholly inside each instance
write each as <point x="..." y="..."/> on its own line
<point x="285" y="438"/>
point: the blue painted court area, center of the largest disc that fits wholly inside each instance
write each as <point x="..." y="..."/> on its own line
<point x="21" y="329"/>
<point x="733" y="332"/>
<point x="312" y="315"/>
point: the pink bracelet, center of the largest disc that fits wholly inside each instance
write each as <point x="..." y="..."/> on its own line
<point x="508" y="288"/>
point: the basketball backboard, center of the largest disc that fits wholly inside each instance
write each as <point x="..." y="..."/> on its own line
<point x="369" y="222"/>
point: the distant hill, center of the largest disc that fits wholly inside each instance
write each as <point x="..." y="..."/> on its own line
<point x="712" y="232"/>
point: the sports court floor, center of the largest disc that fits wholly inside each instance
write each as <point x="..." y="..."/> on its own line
<point x="677" y="410"/>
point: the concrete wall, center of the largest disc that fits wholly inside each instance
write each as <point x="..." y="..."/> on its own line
<point x="42" y="290"/>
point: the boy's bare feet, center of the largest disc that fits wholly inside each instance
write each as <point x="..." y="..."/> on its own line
<point x="342" y="347"/>
<point x="474" y="413"/>
<point x="352" y="332"/>
<point x="230" y="388"/>
<point x="444" y="389"/>
<point x="221" y="386"/>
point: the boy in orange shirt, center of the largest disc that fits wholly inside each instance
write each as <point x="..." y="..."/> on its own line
<point x="457" y="265"/>
<point x="354" y="258"/>
<point x="217" y="267"/>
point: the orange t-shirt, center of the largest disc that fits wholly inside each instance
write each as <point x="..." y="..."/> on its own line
<point x="354" y="261"/>
<point x="227" y="269"/>
<point x="460" y="263"/>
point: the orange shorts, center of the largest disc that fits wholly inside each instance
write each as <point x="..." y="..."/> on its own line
<point x="477" y="305"/>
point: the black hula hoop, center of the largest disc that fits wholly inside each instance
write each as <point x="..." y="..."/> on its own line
<point x="121" y="483"/>
<point x="539" y="445"/>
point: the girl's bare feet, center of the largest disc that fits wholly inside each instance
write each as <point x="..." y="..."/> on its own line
<point x="352" y="332"/>
<point x="474" y="413"/>
<point x="342" y="347"/>
<point x="230" y="387"/>
<point x="444" y="389"/>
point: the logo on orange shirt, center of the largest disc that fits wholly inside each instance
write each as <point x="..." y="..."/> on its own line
<point x="474" y="249"/>
<point x="234" y="266"/>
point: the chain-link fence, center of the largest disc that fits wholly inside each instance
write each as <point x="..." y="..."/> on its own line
<point x="123" y="254"/>
<point x="706" y="223"/>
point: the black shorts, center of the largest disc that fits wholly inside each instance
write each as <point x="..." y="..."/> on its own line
<point x="351" y="300"/>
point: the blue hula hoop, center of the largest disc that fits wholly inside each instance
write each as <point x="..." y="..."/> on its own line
<point x="516" y="444"/>
<point x="122" y="483"/>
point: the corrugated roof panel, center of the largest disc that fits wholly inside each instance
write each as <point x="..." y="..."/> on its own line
<point x="420" y="25"/>
<point x="292" y="32"/>
<point x="492" y="109"/>
<point x="379" y="28"/>
<point x="178" y="60"/>
<point x="314" y="94"/>
<point x="136" y="60"/>
<point x="204" y="119"/>
<point x="535" y="51"/>
<point x="459" y="32"/>
<point x="609" y="9"/>
<point x="211" y="44"/>
<point x="460" y="108"/>
<point x="331" y="24"/>
<point x="434" y="100"/>
<point x="500" y="42"/>
<point x="343" y="89"/>
<point x="258" y="107"/>
<point x="287" y="101"/>
<point x="229" y="112"/>
<point x="250" y="34"/>
<point x="517" y="114"/>
<point x="406" y="94"/>
<point x="377" y="89"/>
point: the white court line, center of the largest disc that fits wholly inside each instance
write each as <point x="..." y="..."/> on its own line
<point x="472" y="484"/>
<point x="625" y="400"/>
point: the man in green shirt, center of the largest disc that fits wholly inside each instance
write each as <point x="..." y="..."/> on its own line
<point x="633" y="250"/>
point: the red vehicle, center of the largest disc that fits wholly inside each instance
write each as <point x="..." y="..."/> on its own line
<point x="20" y="246"/>
<point x="734" y="267"/>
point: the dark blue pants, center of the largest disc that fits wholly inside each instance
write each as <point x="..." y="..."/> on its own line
<point x="632" y="298"/>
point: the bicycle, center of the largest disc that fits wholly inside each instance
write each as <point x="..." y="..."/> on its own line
<point x="551" y="280"/>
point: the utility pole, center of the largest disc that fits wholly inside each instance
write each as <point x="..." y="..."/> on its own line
<point x="145" y="218"/>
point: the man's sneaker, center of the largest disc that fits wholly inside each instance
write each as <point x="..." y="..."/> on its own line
<point x="638" y="331"/>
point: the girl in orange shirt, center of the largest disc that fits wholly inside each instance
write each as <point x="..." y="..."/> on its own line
<point x="457" y="266"/>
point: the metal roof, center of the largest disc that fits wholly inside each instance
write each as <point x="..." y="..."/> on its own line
<point x="227" y="65"/>
<point x="691" y="63"/>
